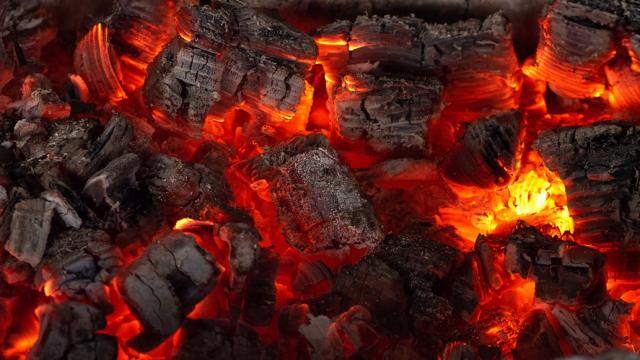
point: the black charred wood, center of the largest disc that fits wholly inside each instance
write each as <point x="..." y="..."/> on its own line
<point x="69" y="331"/>
<point x="164" y="284"/>
<point x="259" y="303"/>
<point x="598" y="165"/>
<point x="244" y="251"/>
<point x="30" y="227"/>
<point x="489" y="152"/>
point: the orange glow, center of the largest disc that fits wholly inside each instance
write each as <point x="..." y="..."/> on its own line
<point x="536" y="196"/>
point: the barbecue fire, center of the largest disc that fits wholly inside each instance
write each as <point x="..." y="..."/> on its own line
<point x="260" y="179"/>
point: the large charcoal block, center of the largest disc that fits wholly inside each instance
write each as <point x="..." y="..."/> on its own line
<point x="299" y="174"/>
<point x="164" y="284"/>
<point x="599" y="166"/>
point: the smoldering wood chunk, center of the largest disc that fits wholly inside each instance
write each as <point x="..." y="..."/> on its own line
<point x="488" y="153"/>
<point x="564" y="272"/>
<point x="459" y="351"/>
<point x="30" y="227"/>
<point x="69" y="331"/>
<point x="623" y="80"/>
<point x="181" y="83"/>
<point x="614" y="354"/>
<point x="185" y="189"/>
<point x="259" y="303"/>
<point x="481" y="71"/>
<point x="299" y="173"/>
<point x="376" y="286"/>
<point x="39" y="101"/>
<point x="112" y="184"/>
<point x="164" y="284"/>
<point x="486" y="252"/>
<point x="215" y="339"/>
<point x="627" y="11"/>
<point x="112" y="143"/>
<point x="225" y="57"/>
<point x="598" y="165"/>
<point x="389" y="113"/>
<point x="593" y="329"/>
<point x="29" y="24"/>
<point x="537" y="339"/>
<point x="244" y="250"/>
<point x="576" y="42"/>
<point x="96" y="62"/>
<point x="15" y="272"/>
<point x="461" y="292"/>
<point x="63" y="208"/>
<point x="79" y="263"/>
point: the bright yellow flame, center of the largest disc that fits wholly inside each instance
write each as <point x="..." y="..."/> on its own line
<point x="529" y="194"/>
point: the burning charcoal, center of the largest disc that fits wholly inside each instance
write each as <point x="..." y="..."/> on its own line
<point x="63" y="208"/>
<point x="598" y="165"/>
<point x="16" y="195"/>
<point x="39" y="101"/>
<point x="236" y="59"/>
<point x="487" y="254"/>
<point x="593" y="329"/>
<point x="537" y="339"/>
<point x="462" y="295"/>
<point x="260" y="297"/>
<point x="459" y="351"/>
<point x="68" y="331"/>
<point x="112" y="143"/>
<point x="186" y="189"/>
<point x="489" y="153"/>
<point x="30" y="226"/>
<point x="374" y="285"/>
<point x="299" y="173"/>
<point x="244" y="250"/>
<point x="212" y="339"/>
<point x="351" y="335"/>
<point x="473" y="85"/>
<point x="112" y="184"/>
<point x="564" y="272"/>
<point x="576" y="42"/>
<point x="79" y="263"/>
<point x="309" y="274"/>
<point x="15" y="272"/>
<point x="389" y="113"/>
<point x="96" y="62"/>
<point x="164" y="284"/>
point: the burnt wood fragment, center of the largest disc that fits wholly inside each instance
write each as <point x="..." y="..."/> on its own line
<point x="564" y="272"/>
<point x="30" y="227"/>
<point x="537" y="339"/>
<point x="164" y="284"/>
<point x="299" y="173"/>
<point x="599" y="166"/>
<point x="259" y="303"/>
<point x="112" y="185"/>
<point x="244" y="250"/>
<point x="489" y="152"/>
<point x="376" y="286"/>
<point x="30" y="25"/>
<point x="16" y="195"/>
<point x="39" y="101"/>
<point x="69" y="331"/>
<point x="183" y="189"/>
<point x="63" y="208"/>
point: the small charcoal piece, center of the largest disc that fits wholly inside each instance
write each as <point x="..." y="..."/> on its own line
<point x="376" y="286"/>
<point x="564" y="272"/>
<point x="215" y="339"/>
<point x="63" y="208"/>
<point x="27" y="24"/>
<point x="30" y="227"/>
<point x="299" y="173"/>
<point x="79" y="264"/>
<point x="593" y="329"/>
<point x="224" y="57"/>
<point x="185" y="190"/>
<point x="598" y="165"/>
<point x="259" y="303"/>
<point x="112" y="143"/>
<point x="164" y="284"/>
<point x="111" y="185"/>
<point x="489" y="152"/>
<point x="244" y="250"/>
<point x="537" y="339"/>
<point x="68" y="331"/>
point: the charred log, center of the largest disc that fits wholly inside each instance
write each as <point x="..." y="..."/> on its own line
<point x="598" y="165"/>
<point x="68" y="331"/>
<point x="164" y="284"/>
<point x="298" y="174"/>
